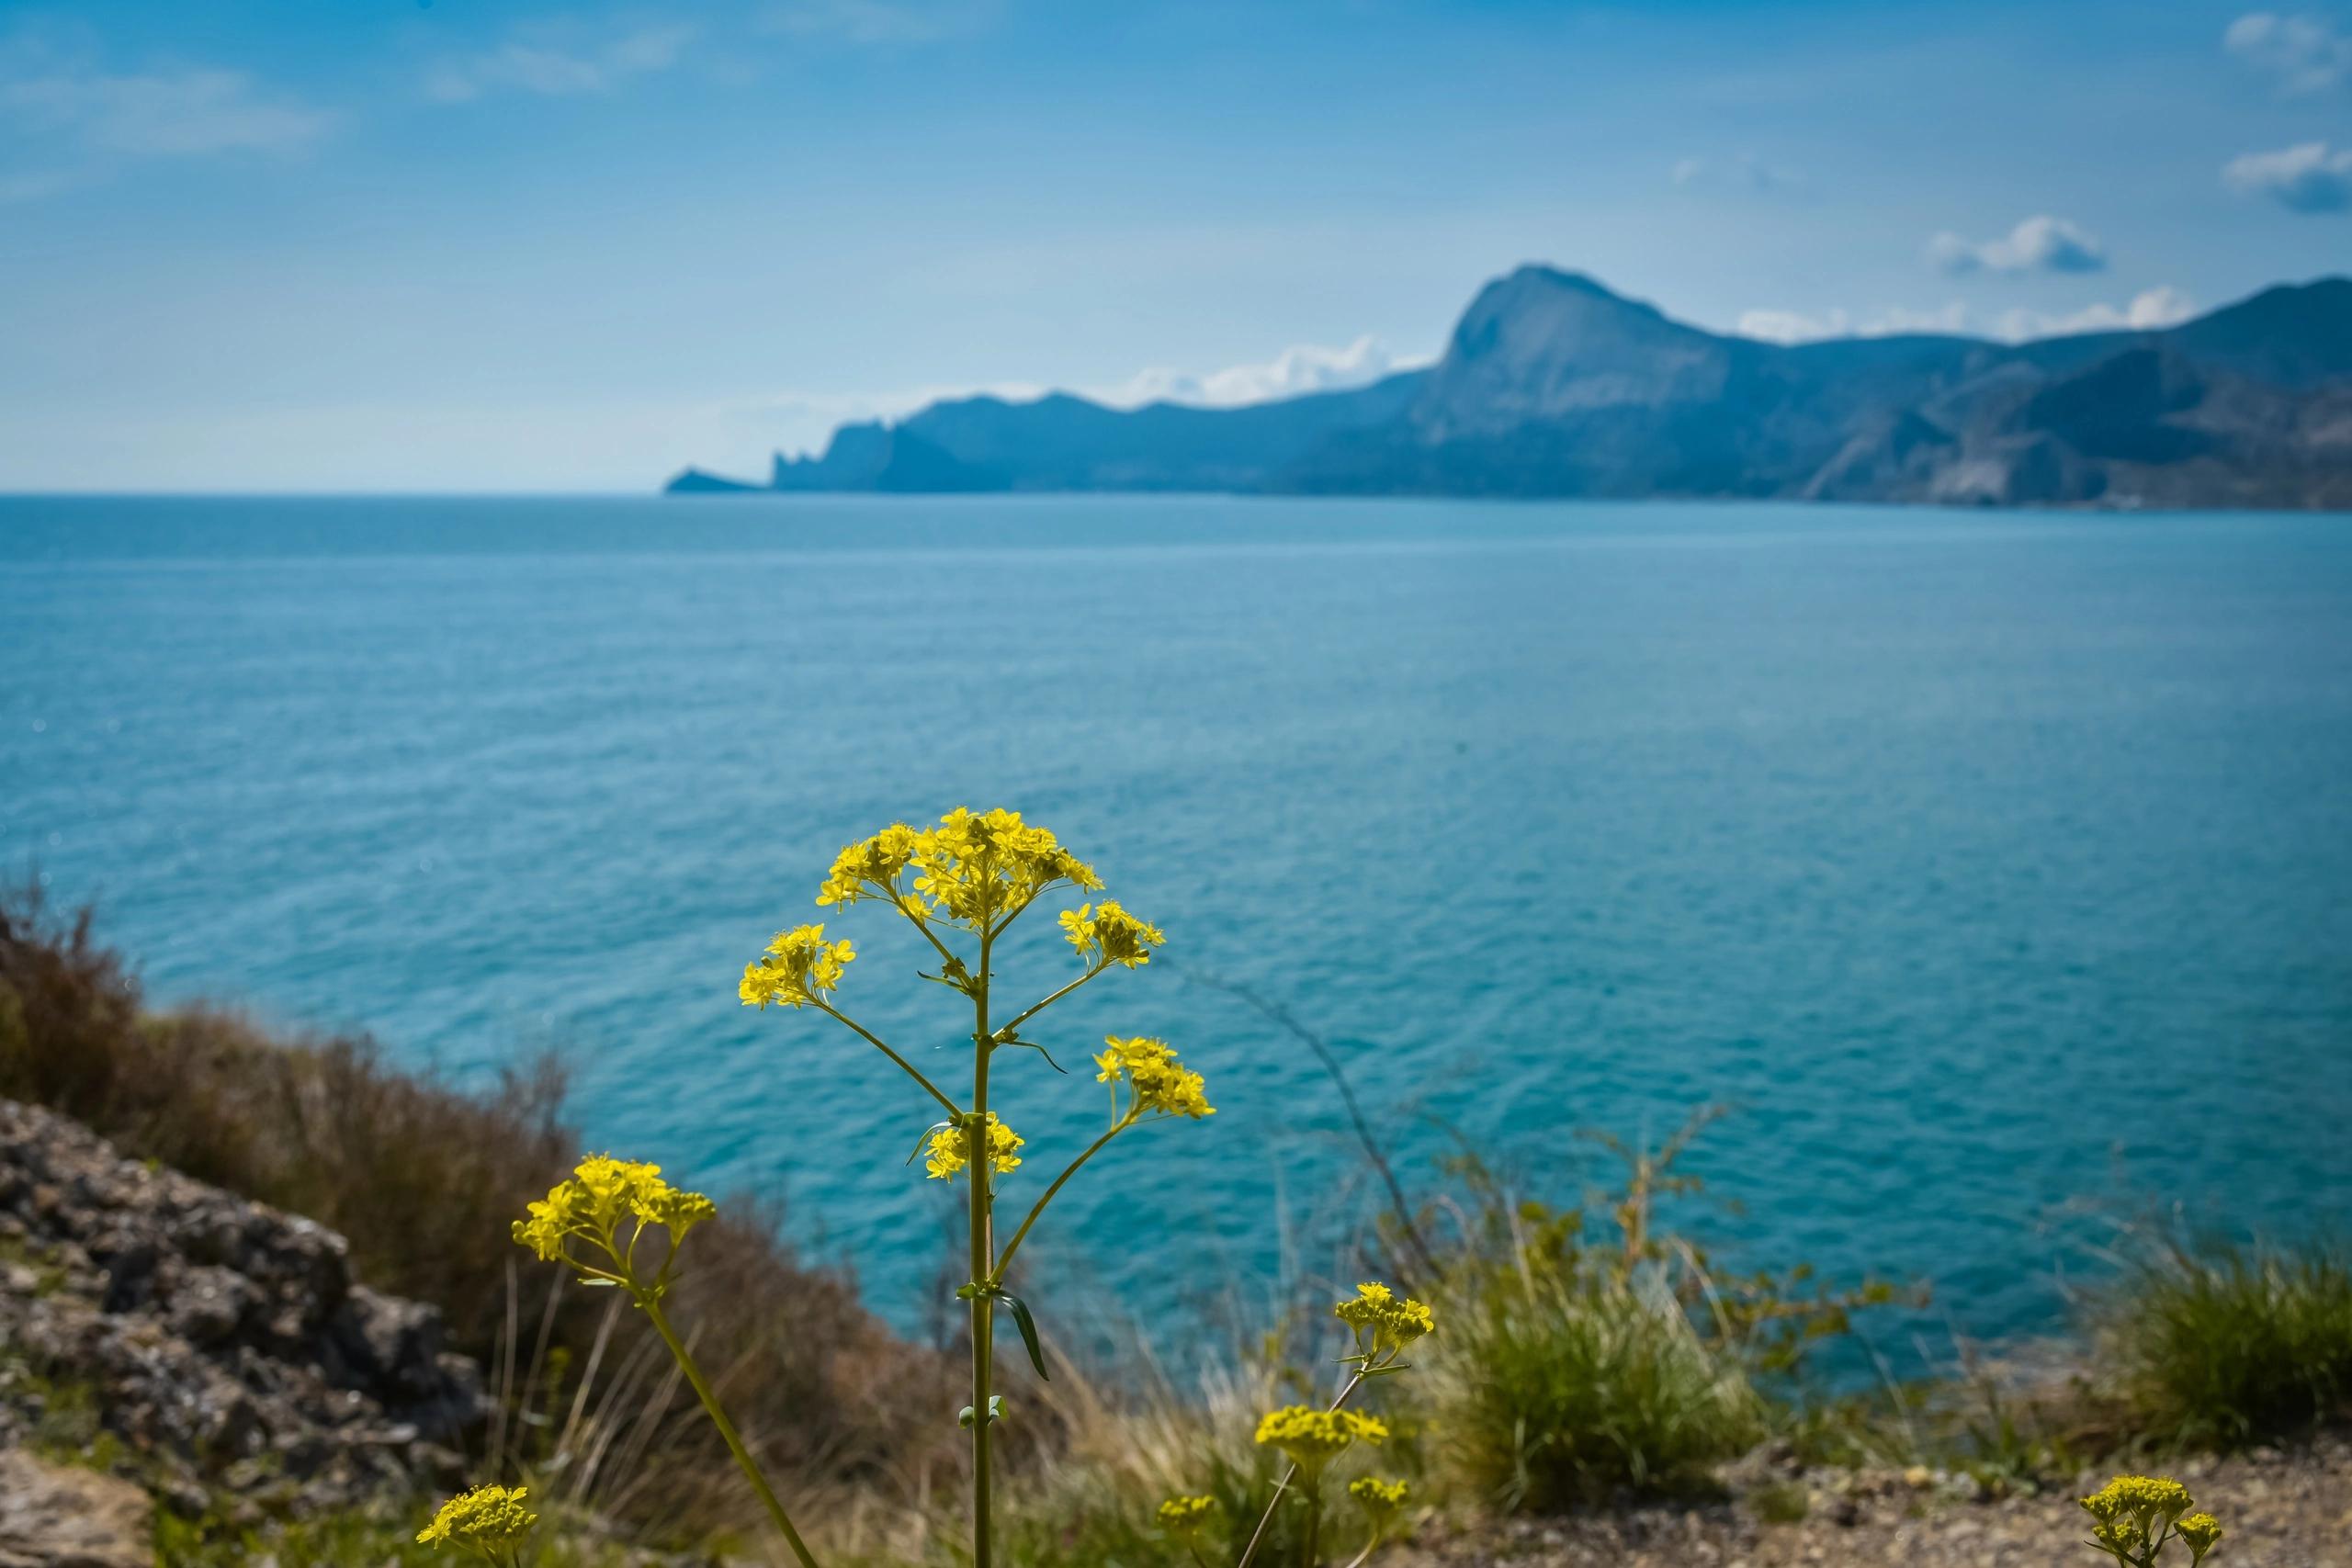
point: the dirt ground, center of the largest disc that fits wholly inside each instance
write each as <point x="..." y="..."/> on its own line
<point x="2286" y="1509"/>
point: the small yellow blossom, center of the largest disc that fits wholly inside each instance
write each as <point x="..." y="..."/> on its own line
<point x="488" y="1520"/>
<point x="978" y="868"/>
<point x="799" y="968"/>
<point x="1160" y="1085"/>
<point x="1313" y="1439"/>
<point x="1107" y="934"/>
<point x="1384" y="1324"/>
<point x="2201" y="1531"/>
<point x="2132" y="1513"/>
<point x="871" y="869"/>
<point x="1184" y="1517"/>
<point x="2140" y="1496"/>
<point x="600" y="1195"/>
<point x="1379" y="1499"/>
<point x="946" y="1155"/>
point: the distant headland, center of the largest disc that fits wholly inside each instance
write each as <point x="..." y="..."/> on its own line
<point x="1552" y="385"/>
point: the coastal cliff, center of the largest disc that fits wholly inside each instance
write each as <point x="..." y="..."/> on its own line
<point x="1554" y="384"/>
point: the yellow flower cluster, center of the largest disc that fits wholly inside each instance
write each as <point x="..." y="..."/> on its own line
<point x="600" y="1194"/>
<point x="1313" y="1439"/>
<point x="2132" y="1513"/>
<point x="973" y="868"/>
<point x="1383" y="1323"/>
<point x="799" y="967"/>
<point x="1160" y="1084"/>
<point x="1379" y="1499"/>
<point x="1106" y="935"/>
<point x="2201" y="1531"/>
<point x="486" y="1519"/>
<point x="1184" y="1517"/>
<point x="870" y="869"/>
<point x="946" y="1155"/>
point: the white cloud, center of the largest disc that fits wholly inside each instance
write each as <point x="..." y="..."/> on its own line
<point x="2302" y="53"/>
<point x="1305" y="367"/>
<point x="2041" y="243"/>
<point x="2308" y="177"/>
<point x="1892" y="320"/>
<point x="559" y="64"/>
<point x="1741" y="171"/>
<point x="2147" y="310"/>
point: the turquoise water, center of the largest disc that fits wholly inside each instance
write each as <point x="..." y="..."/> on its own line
<point x="1989" y="861"/>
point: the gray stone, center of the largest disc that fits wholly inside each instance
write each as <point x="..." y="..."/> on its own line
<point x="52" y="1516"/>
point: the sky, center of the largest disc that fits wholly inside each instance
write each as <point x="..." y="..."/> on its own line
<point x="451" y="246"/>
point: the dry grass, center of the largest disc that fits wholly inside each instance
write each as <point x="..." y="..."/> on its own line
<point x="423" y="1180"/>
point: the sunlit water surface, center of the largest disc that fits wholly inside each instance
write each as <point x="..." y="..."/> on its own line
<point x="1988" y="862"/>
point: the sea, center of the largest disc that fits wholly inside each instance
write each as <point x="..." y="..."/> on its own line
<point x="1993" y="869"/>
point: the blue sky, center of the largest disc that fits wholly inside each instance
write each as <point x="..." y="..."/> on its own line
<point x="360" y="244"/>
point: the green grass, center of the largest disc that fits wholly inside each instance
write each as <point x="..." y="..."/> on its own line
<point x="1561" y="1392"/>
<point x="2220" y="1346"/>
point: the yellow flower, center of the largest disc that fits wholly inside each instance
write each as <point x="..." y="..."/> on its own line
<point x="1379" y="1499"/>
<point x="1382" y="1322"/>
<point x="1160" y="1084"/>
<point x="799" y="967"/>
<point x="1313" y="1439"/>
<point x="871" y="869"/>
<point x="2132" y="1512"/>
<point x="1108" y="934"/>
<point x="486" y="1519"/>
<point x="1184" y="1517"/>
<point x="601" y="1195"/>
<point x="2142" y="1497"/>
<point x="945" y="1156"/>
<point x="980" y="867"/>
<point x="2201" y="1531"/>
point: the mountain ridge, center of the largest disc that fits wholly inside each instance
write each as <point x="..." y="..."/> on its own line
<point x="1551" y="384"/>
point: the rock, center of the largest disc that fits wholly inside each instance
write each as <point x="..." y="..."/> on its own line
<point x="226" y="1343"/>
<point x="52" y="1516"/>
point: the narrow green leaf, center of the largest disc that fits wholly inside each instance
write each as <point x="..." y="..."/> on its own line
<point x="1021" y="1319"/>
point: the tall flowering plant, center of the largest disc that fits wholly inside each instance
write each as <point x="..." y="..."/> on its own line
<point x="962" y="885"/>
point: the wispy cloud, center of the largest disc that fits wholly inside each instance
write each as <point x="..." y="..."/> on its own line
<point x="2144" y="312"/>
<point x="559" y="62"/>
<point x="1302" y="369"/>
<point x="71" y="116"/>
<point x="1741" y="171"/>
<point x="1891" y="320"/>
<point x="2308" y="177"/>
<point x="2301" y="54"/>
<point x="2041" y="243"/>
<point x="59" y="95"/>
<point x="875" y="22"/>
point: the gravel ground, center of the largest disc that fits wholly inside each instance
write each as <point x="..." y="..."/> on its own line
<point x="2281" y="1510"/>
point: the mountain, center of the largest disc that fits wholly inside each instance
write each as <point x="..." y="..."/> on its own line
<point x="1552" y="385"/>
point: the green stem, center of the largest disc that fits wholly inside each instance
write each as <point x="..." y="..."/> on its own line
<point x="727" y="1429"/>
<point x="898" y="902"/>
<point x="1004" y="1258"/>
<point x="1259" y="1535"/>
<point x="1314" y="1555"/>
<point x="874" y="1040"/>
<point x="981" y="1171"/>
<point x="1019" y="1019"/>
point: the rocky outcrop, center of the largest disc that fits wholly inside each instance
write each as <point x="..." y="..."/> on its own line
<point x="56" y="1516"/>
<point x="223" y="1345"/>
